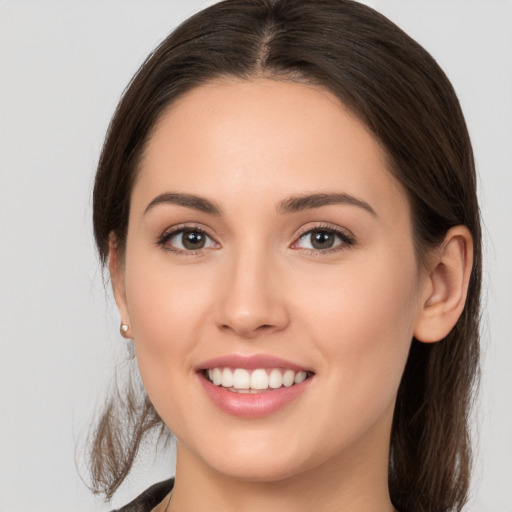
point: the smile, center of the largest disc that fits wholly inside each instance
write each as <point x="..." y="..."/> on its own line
<point x="241" y="380"/>
<point x="253" y="386"/>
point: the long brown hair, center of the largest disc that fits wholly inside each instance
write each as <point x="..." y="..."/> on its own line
<point x="403" y="96"/>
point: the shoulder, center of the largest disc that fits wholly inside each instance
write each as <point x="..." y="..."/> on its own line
<point x="149" y="499"/>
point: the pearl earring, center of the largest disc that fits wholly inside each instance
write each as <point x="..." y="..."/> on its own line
<point x="124" y="329"/>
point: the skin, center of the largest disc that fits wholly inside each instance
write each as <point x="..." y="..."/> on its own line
<point x="258" y="287"/>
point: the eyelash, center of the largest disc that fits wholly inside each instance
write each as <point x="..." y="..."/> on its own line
<point x="176" y="230"/>
<point x="346" y="239"/>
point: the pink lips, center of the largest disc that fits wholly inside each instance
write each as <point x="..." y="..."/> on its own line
<point x="249" y="362"/>
<point x="251" y="405"/>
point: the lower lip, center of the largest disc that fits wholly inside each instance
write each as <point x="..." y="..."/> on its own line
<point x="252" y="405"/>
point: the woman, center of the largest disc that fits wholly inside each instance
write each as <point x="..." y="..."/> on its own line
<point x="286" y="201"/>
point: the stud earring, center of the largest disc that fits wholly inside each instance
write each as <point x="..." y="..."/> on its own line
<point x="124" y="330"/>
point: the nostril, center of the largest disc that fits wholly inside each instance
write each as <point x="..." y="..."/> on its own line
<point x="249" y="330"/>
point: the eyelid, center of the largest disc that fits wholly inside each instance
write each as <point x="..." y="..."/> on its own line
<point x="172" y="231"/>
<point x="344" y="232"/>
<point x="346" y="236"/>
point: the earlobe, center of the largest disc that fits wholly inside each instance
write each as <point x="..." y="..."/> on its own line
<point x="447" y="285"/>
<point x="116" y="269"/>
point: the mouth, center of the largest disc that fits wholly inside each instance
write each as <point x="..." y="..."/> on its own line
<point x="253" y="386"/>
<point x="258" y="380"/>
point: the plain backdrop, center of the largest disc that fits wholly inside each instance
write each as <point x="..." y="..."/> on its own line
<point x="63" y="66"/>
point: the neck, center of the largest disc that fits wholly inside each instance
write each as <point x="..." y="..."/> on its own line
<point x="356" y="483"/>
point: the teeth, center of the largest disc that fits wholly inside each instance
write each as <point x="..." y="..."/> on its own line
<point x="227" y="378"/>
<point x="217" y="376"/>
<point x="242" y="380"/>
<point x="259" y="379"/>
<point x="288" y="378"/>
<point x="275" y="379"/>
<point x="300" y="377"/>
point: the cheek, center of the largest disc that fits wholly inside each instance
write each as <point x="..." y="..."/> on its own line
<point x="167" y="310"/>
<point x="363" y="322"/>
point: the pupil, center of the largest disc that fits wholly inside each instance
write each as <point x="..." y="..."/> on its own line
<point x="193" y="240"/>
<point x="322" y="239"/>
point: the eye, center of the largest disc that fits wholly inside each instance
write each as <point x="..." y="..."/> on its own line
<point x="186" y="240"/>
<point x="323" y="239"/>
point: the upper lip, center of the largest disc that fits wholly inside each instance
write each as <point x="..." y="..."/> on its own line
<point x="250" y="362"/>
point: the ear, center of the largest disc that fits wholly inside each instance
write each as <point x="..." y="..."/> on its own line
<point x="116" y="269"/>
<point x="446" y="286"/>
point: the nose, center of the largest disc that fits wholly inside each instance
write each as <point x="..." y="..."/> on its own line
<point x="252" y="300"/>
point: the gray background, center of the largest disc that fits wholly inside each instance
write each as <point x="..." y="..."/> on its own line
<point x="63" y="65"/>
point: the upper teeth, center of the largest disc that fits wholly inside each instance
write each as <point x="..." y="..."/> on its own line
<point x="240" y="378"/>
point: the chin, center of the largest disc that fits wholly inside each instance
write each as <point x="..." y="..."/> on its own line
<point x="259" y="472"/>
<point x="256" y="463"/>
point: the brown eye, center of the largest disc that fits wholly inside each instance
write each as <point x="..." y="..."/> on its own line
<point x="322" y="239"/>
<point x="187" y="240"/>
<point x="193" y="240"/>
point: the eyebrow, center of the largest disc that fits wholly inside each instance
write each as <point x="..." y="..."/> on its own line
<point x="290" y="205"/>
<point x="306" y="202"/>
<point x="188" y="200"/>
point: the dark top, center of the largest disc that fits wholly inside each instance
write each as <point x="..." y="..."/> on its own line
<point x="150" y="498"/>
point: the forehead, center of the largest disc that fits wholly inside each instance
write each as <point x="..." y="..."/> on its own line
<point x="264" y="139"/>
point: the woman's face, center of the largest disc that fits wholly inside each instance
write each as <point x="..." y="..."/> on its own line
<point x="268" y="243"/>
